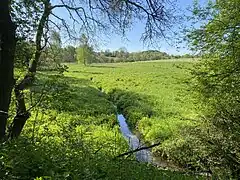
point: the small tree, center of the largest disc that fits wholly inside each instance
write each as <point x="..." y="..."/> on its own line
<point x="85" y="53"/>
<point x="217" y="80"/>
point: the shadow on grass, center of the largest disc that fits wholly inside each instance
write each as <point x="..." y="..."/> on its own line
<point x="72" y="95"/>
<point x="102" y="66"/>
<point x="133" y="106"/>
<point x="57" y="160"/>
<point x="77" y="96"/>
<point x="84" y="72"/>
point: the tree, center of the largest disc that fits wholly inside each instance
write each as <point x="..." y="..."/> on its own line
<point x="69" y="54"/>
<point x="122" y="52"/>
<point x="108" y="53"/>
<point x="52" y="54"/>
<point x="217" y="80"/>
<point x="55" y="39"/>
<point x="24" y="53"/>
<point x="85" y="53"/>
<point x="7" y="50"/>
<point x="22" y="114"/>
<point x="91" y="16"/>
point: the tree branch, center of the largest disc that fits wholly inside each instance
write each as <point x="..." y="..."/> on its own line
<point x="137" y="150"/>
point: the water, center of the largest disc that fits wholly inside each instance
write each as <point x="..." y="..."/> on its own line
<point x="133" y="141"/>
<point x="144" y="155"/>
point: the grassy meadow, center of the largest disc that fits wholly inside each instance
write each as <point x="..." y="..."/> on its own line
<point x="154" y="97"/>
<point x="73" y="131"/>
<point x="74" y="108"/>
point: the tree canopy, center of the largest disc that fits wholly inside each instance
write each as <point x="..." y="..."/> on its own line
<point x="217" y="78"/>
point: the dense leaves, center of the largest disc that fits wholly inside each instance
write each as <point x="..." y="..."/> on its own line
<point x="217" y="80"/>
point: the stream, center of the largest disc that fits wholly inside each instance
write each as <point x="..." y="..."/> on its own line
<point x="145" y="155"/>
<point x="133" y="141"/>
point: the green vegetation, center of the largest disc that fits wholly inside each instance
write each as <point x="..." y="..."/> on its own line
<point x="122" y="55"/>
<point x="216" y="81"/>
<point x="75" y="139"/>
<point x="155" y="99"/>
<point x="159" y="104"/>
<point x="59" y="122"/>
<point x="84" y="53"/>
<point x="58" y="127"/>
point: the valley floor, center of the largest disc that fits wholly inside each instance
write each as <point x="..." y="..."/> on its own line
<point x="73" y="133"/>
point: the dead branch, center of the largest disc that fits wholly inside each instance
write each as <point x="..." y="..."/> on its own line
<point x="137" y="150"/>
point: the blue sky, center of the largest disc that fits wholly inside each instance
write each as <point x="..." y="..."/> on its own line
<point x="132" y="40"/>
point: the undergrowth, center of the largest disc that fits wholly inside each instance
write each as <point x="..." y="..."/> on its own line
<point x="159" y="104"/>
<point x="72" y="134"/>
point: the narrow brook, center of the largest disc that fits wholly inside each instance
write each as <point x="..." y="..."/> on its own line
<point x="133" y="141"/>
<point x="145" y="155"/>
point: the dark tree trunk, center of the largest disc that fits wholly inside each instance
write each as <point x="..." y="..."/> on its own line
<point x="22" y="114"/>
<point x="7" y="51"/>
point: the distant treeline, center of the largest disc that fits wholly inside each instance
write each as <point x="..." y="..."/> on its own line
<point x="71" y="54"/>
<point x="54" y="54"/>
<point x="125" y="56"/>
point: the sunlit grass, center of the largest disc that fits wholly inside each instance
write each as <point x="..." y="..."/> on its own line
<point x="163" y="83"/>
<point x="74" y="133"/>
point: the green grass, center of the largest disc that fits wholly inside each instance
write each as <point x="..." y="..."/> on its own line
<point x="154" y="96"/>
<point x="73" y="132"/>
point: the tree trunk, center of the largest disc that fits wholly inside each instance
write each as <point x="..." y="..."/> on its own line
<point x="22" y="114"/>
<point x="7" y="51"/>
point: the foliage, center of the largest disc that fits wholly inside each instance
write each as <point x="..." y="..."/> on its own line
<point x="75" y="139"/>
<point x="216" y="80"/>
<point x="84" y="53"/>
<point x="21" y="11"/>
<point x="52" y="55"/>
<point x="66" y="139"/>
<point x="24" y="53"/>
<point x="78" y="139"/>
<point x="134" y="106"/>
<point x="69" y="54"/>
<point x="90" y="17"/>
<point x="156" y="101"/>
<point x="122" y="55"/>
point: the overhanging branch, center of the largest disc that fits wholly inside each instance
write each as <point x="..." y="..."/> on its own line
<point x="137" y="150"/>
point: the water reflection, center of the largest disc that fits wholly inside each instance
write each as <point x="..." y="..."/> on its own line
<point x="133" y="141"/>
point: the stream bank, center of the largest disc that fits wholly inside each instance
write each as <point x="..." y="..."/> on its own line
<point x="134" y="142"/>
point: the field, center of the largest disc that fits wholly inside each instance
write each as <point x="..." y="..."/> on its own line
<point x="154" y="97"/>
<point x="73" y="133"/>
<point x="82" y="98"/>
